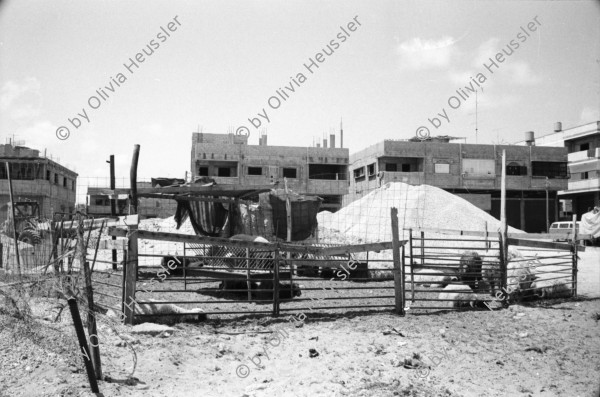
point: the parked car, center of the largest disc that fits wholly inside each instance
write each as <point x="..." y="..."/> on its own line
<point x="563" y="228"/>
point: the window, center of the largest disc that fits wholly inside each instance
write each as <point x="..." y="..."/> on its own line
<point x="65" y="182"/>
<point x="371" y="169"/>
<point x="516" y="169"/>
<point x="254" y="170"/>
<point x="585" y="175"/>
<point x="73" y="184"/>
<point x="550" y="169"/>
<point x="405" y="167"/>
<point x="203" y="171"/>
<point x="566" y="226"/>
<point x="359" y="173"/>
<point x="289" y="172"/>
<point x="584" y="146"/>
<point x="479" y="167"/>
<point x="224" y="171"/>
<point x="47" y="175"/>
<point x="56" y="179"/>
<point x="442" y="168"/>
<point x="99" y="201"/>
<point x="391" y="167"/>
<point x="554" y="226"/>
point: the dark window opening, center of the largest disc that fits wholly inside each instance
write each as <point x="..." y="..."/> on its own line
<point x="550" y="169"/>
<point x="289" y="172"/>
<point x="516" y="169"/>
<point x="47" y="175"/>
<point x="327" y="171"/>
<point x="18" y="171"/>
<point x="65" y="182"/>
<point x="255" y="171"/>
<point x="405" y="167"/>
<point x="371" y="169"/>
<point x="56" y="179"/>
<point x="224" y="172"/>
<point x="585" y="175"/>
<point x="584" y="146"/>
<point x="202" y="171"/>
<point x="391" y="167"/>
<point x="359" y="173"/>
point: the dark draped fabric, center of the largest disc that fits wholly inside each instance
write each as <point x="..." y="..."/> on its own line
<point x="207" y="218"/>
<point x="304" y="215"/>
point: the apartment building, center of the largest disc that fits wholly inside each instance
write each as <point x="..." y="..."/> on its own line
<point x="314" y="171"/>
<point x="583" y="146"/>
<point x="535" y="175"/>
<point x="37" y="178"/>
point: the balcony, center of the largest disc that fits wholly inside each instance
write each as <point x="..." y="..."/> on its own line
<point x="227" y="180"/>
<point x="324" y="186"/>
<point x="412" y="178"/>
<point x="584" y="155"/>
<point x="584" y="185"/>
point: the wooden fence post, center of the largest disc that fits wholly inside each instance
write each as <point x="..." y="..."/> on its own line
<point x="131" y="275"/>
<point x="123" y="280"/>
<point x="276" y="284"/>
<point x="574" y="264"/>
<point x="92" y="331"/>
<point x="398" y="279"/>
<point x="83" y="344"/>
<point x="422" y="248"/>
<point x="14" y="220"/>
<point x="503" y="267"/>
<point x="248" y="281"/>
<point x="412" y="265"/>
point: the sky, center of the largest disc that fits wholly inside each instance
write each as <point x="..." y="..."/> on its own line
<point x="396" y="70"/>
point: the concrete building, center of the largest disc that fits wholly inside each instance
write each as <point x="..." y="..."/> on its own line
<point x="583" y="146"/>
<point x="98" y="203"/>
<point x="36" y="178"/>
<point x="314" y="171"/>
<point x="472" y="172"/>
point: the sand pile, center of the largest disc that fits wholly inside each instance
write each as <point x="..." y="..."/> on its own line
<point x="426" y="207"/>
<point x="368" y="219"/>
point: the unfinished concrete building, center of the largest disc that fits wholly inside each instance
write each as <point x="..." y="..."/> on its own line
<point x="313" y="171"/>
<point x="36" y="178"/>
<point x="472" y="172"/>
<point x="583" y="145"/>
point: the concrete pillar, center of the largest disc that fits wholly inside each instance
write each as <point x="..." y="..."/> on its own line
<point x="522" y="203"/>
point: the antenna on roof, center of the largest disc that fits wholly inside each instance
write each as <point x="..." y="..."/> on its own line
<point x="341" y="133"/>
<point x="475" y="116"/>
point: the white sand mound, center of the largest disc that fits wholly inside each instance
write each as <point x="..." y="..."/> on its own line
<point x="424" y="206"/>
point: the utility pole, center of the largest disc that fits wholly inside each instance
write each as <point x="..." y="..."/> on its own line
<point x="547" y="210"/>
<point x="113" y="205"/>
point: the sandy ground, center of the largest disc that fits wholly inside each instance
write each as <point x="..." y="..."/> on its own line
<point x="545" y="348"/>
